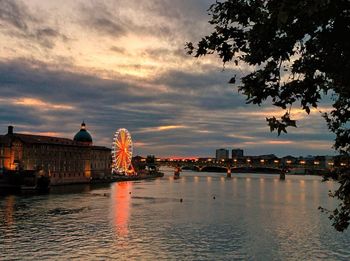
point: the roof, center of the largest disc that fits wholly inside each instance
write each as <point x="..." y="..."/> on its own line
<point x="39" y="139"/>
<point x="100" y="148"/>
<point x="4" y="139"/>
<point x="83" y="136"/>
<point x="45" y="139"/>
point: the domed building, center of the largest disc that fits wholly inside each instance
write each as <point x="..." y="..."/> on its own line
<point x="83" y="135"/>
<point x="65" y="161"/>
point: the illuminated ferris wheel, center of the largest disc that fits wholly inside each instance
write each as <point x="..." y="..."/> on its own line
<point x="122" y="152"/>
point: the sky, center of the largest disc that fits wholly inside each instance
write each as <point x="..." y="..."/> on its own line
<point x="122" y="64"/>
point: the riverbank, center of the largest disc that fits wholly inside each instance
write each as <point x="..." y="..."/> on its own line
<point x="119" y="178"/>
<point x="18" y="183"/>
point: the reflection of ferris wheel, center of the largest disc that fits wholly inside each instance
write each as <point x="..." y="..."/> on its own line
<point x="122" y="151"/>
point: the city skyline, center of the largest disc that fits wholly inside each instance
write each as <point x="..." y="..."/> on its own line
<point x="106" y="64"/>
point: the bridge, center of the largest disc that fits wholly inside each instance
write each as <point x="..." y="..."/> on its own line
<point x="273" y="167"/>
<point x="233" y="169"/>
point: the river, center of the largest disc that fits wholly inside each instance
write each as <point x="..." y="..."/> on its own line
<point x="247" y="217"/>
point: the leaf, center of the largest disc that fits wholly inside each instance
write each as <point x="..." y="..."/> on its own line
<point x="232" y="80"/>
<point x="307" y="109"/>
<point x="293" y="123"/>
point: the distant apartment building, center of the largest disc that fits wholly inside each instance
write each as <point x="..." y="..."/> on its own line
<point x="237" y="153"/>
<point x="222" y="154"/>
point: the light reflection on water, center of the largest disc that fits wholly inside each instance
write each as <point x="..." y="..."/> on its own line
<point x="121" y="207"/>
<point x="9" y="210"/>
<point x="247" y="217"/>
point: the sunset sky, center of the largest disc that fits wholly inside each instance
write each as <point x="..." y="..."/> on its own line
<point x="122" y="64"/>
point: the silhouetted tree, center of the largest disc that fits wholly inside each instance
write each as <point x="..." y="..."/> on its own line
<point x="151" y="159"/>
<point x="299" y="52"/>
<point x="151" y="162"/>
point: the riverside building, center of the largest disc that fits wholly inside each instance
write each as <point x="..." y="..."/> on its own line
<point x="66" y="161"/>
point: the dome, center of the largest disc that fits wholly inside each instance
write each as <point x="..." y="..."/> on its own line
<point x="83" y="135"/>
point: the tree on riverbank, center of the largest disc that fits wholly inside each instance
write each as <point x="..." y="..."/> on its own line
<point x="299" y="52"/>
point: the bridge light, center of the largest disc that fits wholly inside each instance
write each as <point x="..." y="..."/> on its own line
<point x="235" y="160"/>
<point x="343" y="164"/>
<point x="288" y="161"/>
<point x="262" y="161"/>
<point x="316" y="163"/>
<point x="330" y="163"/>
<point x="248" y="160"/>
<point x="302" y="162"/>
<point x="276" y="161"/>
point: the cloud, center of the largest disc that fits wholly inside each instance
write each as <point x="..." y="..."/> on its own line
<point x="47" y="36"/>
<point x="15" y="13"/>
<point x="117" y="49"/>
<point x="159" y="19"/>
<point x="20" y="22"/>
<point x="189" y="17"/>
<point x="99" y="17"/>
<point x="161" y="128"/>
<point x="163" y="124"/>
<point x="38" y="104"/>
<point x="123" y="65"/>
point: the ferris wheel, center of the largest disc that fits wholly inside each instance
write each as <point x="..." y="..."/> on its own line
<point x="122" y="152"/>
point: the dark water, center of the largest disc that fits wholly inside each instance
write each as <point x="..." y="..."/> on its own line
<point x="253" y="217"/>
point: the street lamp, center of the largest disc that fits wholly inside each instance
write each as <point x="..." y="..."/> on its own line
<point x="248" y="161"/>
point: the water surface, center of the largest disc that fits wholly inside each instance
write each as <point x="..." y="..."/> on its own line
<point x="247" y="217"/>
